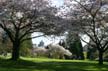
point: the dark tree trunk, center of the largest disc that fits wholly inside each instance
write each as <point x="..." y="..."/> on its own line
<point x="100" y="57"/>
<point x="15" y="51"/>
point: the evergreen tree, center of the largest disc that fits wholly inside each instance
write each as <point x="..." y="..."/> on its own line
<point x="41" y="44"/>
<point x="75" y="45"/>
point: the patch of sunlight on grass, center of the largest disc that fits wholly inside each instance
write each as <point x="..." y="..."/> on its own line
<point x="43" y="59"/>
<point x="58" y="60"/>
<point x="46" y="64"/>
<point x="8" y="56"/>
<point x="96" y="69"/>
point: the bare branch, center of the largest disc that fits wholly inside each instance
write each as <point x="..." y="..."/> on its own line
<point x="87" y="42"/>
<point x="31" y="38"/>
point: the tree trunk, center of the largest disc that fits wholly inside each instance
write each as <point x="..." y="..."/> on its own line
<point x="15" y="51"/>
<point x="100" y="57"/>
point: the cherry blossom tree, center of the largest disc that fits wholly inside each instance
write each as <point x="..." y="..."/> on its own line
<point x="90" y="18"/>
<point x="20" y="18"/>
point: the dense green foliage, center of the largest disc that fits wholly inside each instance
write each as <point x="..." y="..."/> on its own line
<point x="92" y="53"/>
<point x="75" y="46"/>
<point x="26" y="48"/>
<point x="5" y="46"/>
<point x="106" y="56"/>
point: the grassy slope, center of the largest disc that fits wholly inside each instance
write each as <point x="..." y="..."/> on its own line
<point x="44" y="64"/>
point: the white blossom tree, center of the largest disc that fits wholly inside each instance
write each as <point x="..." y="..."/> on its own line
<point x="20" y="18"/>
<point x="90" y="18"/>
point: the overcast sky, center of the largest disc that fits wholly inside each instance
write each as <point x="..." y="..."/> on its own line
<point x="57" y="3"/>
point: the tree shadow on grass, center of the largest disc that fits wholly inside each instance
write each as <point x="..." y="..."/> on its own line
<point x="24" y="65"/>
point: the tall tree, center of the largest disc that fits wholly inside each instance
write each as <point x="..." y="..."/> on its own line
<point x="91" y="16"/>
<point x="75" y="46"/>
<point x="20" y="18"/>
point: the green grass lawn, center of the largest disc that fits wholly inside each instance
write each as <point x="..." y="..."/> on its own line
<point x="44" y="64"/>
